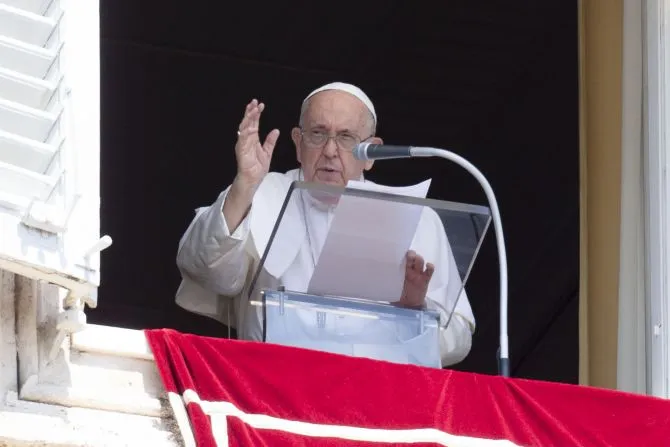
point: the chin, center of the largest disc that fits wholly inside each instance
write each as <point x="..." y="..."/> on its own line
<point x="333" y="182"/>
<point x="334" y="179"/>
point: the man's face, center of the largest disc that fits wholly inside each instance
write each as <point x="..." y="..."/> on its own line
<point x="341" y="116"/>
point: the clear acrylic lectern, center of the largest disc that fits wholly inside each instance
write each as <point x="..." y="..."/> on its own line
<point x="342" y="320"/>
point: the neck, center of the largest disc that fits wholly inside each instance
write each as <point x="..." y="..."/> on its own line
<point x="321" y="200"/>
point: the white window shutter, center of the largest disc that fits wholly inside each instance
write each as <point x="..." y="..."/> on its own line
<point x="50" y="142"/>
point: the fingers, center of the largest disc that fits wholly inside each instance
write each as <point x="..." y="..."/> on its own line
<point x="411" y="258"/>
<point x="271" y="141"/>
<point x="430" y="269"/>
<point x="247" y="111"/>
<point x="251" y="122"/>
<point x="251" y="119"/>
<point x="416" y="262"/>
<point x="416" y="281"/>
<point x="256" y="116"/>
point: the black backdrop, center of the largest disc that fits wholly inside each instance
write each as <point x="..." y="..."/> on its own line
<point x="496" y="82"/>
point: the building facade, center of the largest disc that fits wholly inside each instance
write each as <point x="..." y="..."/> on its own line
<point x="93" y="385"/>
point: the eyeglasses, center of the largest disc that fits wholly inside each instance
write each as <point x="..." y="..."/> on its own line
<point x="317" y="139"/>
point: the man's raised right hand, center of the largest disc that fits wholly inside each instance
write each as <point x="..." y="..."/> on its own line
<point x="253" y="163"/>
<point x="253" y="158"/>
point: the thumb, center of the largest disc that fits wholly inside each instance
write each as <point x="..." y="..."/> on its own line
<point x="271" y="141"/>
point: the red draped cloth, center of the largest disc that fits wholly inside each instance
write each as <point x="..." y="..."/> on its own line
<point x="240" y="393"/>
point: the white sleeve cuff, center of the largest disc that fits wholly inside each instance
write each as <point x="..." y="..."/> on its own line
<point x="242" y="230"/>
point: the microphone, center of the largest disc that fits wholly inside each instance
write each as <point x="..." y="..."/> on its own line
<point x="368" y="151"/>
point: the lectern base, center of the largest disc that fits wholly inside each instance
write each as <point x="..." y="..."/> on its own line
<point x="351" y="327"/>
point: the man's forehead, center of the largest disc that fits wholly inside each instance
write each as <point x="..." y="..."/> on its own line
<point x="327" y="110"/>
<point x="335" y="104"/>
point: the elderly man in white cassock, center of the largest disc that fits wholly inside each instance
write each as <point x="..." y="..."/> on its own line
<point x="221" y="249"/>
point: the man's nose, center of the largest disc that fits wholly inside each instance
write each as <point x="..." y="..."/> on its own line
<point x="330" y="149"/>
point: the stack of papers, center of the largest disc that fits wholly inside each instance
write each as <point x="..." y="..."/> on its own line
<point x="364" y="253"/>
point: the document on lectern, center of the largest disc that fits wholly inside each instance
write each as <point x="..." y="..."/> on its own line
<point x="363" y="255"/>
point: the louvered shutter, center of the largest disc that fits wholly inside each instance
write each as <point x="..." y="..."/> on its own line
<point x="49" y="141"/>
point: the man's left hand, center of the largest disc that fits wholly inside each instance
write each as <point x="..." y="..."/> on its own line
<point x="416" y="281"/>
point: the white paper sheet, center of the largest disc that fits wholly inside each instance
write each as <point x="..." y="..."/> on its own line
<point x="364" y="253"/>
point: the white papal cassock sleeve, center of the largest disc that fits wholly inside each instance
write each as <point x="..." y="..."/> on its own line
<point x="212" y="257"/>
<point x="432" y="243"/>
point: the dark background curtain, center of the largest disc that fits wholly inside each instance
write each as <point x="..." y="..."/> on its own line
<point x="497" y="82"/>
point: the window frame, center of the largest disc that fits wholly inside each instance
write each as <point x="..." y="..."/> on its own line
<point x="657" y="192"/>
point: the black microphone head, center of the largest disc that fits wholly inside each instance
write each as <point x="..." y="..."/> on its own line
<point x="361" y="151"/>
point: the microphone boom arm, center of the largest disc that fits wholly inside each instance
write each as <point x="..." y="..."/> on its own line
<point x="504" y="364"/>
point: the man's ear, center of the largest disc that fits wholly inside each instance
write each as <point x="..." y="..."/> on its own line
<point x="376" y="140"/>
<point x="369" y="163"/>
<point x="373" y="140"/>
<point x="296" y="136"/>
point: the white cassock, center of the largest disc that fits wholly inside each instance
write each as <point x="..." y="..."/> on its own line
<point x="218" y="267"/>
